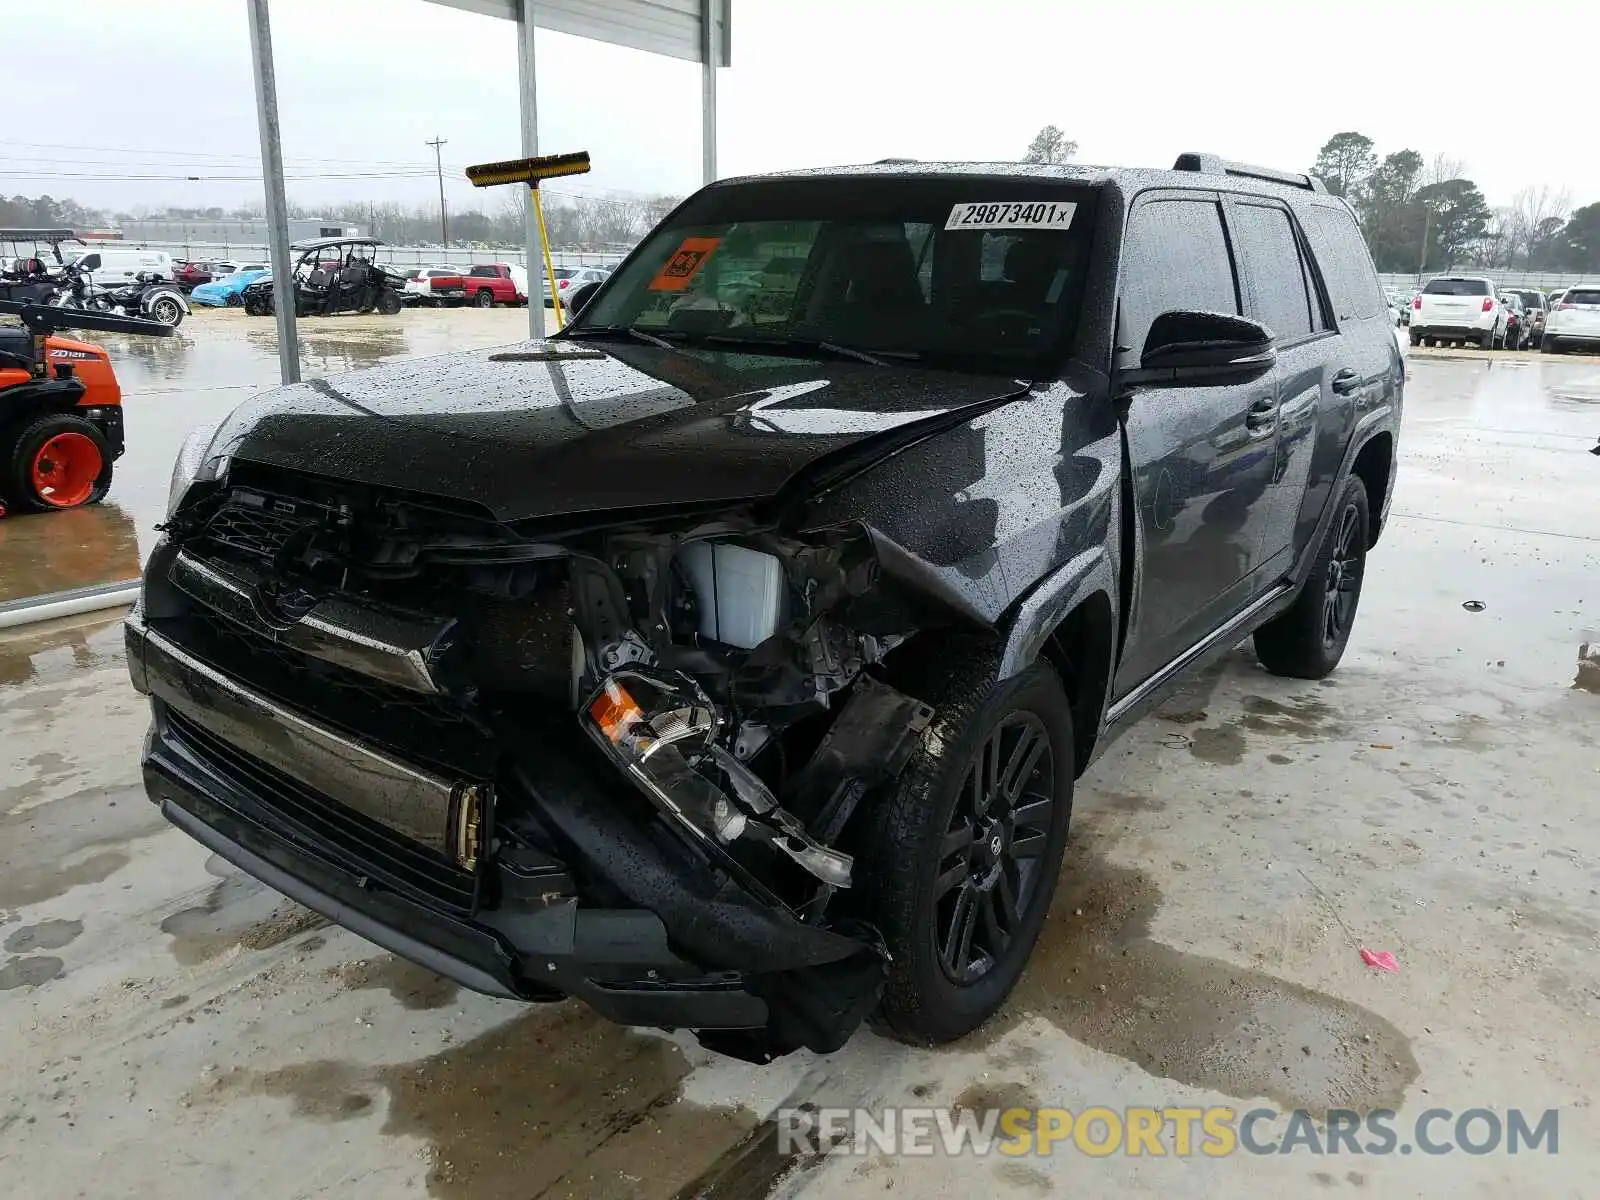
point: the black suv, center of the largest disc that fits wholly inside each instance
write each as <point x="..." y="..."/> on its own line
<point x="727" y="660"/>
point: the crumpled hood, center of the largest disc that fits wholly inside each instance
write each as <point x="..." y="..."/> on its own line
<point x="541" y="429"/>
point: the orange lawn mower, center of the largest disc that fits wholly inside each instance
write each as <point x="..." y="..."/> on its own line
<point x="60" y="407"/>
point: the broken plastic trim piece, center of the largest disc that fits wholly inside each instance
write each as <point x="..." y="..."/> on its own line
<point x="643" y="733"/>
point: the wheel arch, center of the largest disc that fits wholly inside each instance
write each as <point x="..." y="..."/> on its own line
<point x="1070" y="620"/>
<point x="1081" y="649"/>
<point x="1374" y="466"/>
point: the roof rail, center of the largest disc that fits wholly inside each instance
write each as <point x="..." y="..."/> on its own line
<point x="1211" y="164"/>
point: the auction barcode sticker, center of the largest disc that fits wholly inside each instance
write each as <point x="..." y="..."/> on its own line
<point x="1034" y="214"/>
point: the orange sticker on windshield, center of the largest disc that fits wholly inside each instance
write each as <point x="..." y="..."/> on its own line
<point x="684" y="264"/>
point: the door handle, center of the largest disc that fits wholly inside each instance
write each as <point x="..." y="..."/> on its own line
<point x="1262" y="416"/>
<point x="1346" y="381"/>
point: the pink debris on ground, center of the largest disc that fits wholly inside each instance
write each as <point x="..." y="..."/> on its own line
<point x="1379" y="960"/>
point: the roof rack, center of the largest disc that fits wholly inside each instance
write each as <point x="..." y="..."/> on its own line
<point x="1211" y="164"/>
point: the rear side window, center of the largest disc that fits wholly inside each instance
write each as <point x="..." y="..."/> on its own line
<point x="1578" y="296"/>
<point x="484" y="272"/>
<point x="1341" y="252"/>
<point x="1270" y="255"/>
<point x="1456" y="287"/>
<point x="1176" y="258"/>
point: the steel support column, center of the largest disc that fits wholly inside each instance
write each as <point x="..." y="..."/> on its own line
<point x="526" y="90"/>
<point x="272" y="179"/>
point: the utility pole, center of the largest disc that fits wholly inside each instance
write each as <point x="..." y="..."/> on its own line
<point x="438" y="166"/>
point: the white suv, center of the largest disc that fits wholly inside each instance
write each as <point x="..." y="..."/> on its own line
<point x="1574" y="318"/>
<point x="1459" y="308"/>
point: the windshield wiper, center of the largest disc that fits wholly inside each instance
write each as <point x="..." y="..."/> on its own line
<point x="632" y="331"/>
<point x="877" y="358"/>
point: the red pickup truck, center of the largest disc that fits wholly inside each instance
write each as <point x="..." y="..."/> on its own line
<point x="484" y="285"/>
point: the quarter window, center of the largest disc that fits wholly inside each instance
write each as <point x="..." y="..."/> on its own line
<point x="1279" y="297"/>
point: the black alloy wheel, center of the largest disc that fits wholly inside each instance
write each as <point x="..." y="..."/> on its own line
<point x="993" y="850"/>
<point x="1343" y="583"/>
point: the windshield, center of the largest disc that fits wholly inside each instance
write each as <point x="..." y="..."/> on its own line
<point x="980" y="272"/>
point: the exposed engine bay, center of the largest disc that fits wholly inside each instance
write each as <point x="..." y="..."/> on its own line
<point x="732" y="674"/>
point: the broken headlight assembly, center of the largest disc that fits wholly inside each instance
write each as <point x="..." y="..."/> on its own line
<point x="663" y="733"/>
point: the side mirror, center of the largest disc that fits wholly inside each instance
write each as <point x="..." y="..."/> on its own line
<point x="1202" y="348"/>
<point x="89" y="262"/>
<point x="580" y="297"/>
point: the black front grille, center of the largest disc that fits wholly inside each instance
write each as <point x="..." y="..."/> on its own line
<point x="429" y="730"/>
<point x="255" y="532"/>
<point x="325" y="827"/>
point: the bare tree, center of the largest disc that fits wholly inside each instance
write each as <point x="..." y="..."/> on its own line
<point x="1444" y="168"/>
<point x="1533" y="209"/>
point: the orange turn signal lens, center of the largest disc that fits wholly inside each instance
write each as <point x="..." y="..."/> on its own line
<point x="615" y="712"/>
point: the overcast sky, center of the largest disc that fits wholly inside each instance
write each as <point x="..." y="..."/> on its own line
<point x="362" y="83"/>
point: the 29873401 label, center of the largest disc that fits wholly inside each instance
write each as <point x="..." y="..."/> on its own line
<point x="1026" y="214"/>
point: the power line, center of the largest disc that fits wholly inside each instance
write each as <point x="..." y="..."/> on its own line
<point x="206" y="154"/>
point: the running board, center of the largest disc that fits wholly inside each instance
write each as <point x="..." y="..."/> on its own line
<point x="1231" y="629"/>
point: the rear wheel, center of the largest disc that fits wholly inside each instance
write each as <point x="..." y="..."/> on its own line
<point x="1416" y="339"/>
<point x="1308" y="639"/>
<point x="484" y="298"/>
<point x="1488" y="341"/>
<point x="58" y="461"/>
<point x="168" y="311"/>
<point x="965" y="855"/>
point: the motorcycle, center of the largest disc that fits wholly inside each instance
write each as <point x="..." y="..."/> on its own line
<point x="148" y="296"/>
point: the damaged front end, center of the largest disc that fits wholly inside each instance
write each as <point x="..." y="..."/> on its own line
<point x="376" y="706"/>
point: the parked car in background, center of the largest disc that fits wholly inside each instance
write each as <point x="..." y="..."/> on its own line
<point x="1554" y="298"/>
<point x="227" y="291"/>
<point x="1537" y="307"/>
<point x="570" y="279"/>
<point x="1574" y="323"/>
<point x="191" y="274"/>
<point x="434" y="285"/>
<point x="1458" y="308"/>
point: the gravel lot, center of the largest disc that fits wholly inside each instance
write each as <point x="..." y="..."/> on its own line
<point x="170" y="1028"/>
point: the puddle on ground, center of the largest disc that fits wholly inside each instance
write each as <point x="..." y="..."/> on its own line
<point x="1222" y="744"/>
<point x="35" y="883"/>
<point x="46" y="935"/>
<point x="985" y="1095"/>
<point x="29" y="972"/>
<point x="414" y="987"/>
<point x="1097" y="975"/>
<point x="1588" y="679"/>
<point x="240" y="912"/>
<point x="1298" y="716"/>
<point x="557" y="1102"/>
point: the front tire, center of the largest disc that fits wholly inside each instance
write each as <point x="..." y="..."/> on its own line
<point x="968" y="845"/>
<point x="1307" y="640"/>
<point x="58" y="461"/>
<point x="388" y="303"/>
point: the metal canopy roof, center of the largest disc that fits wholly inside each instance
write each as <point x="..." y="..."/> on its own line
<point x="697" y="30"/>
<point x="670" y="27"/>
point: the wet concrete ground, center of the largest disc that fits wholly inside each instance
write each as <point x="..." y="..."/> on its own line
<point x="169" y="1027"/>
<point x="218" y="358"/>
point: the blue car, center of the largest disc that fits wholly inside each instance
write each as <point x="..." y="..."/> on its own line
<point x="229" y="290"/>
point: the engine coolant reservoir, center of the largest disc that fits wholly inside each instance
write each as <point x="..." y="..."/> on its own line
<point x="740" y="592"/>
